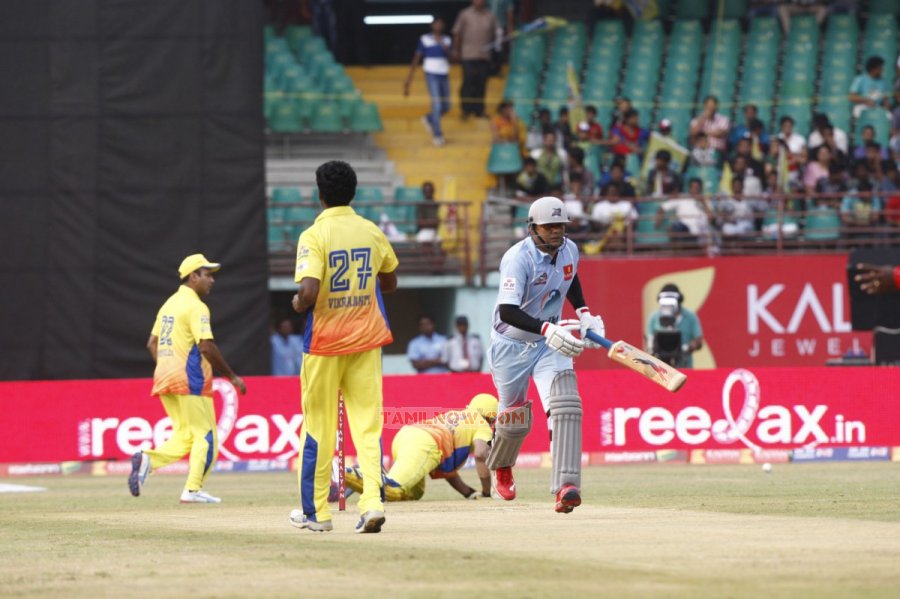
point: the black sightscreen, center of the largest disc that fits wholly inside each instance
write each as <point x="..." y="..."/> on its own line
<point x="131" y="135"/>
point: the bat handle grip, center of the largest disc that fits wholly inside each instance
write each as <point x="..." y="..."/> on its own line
<point x="606" y="343"/>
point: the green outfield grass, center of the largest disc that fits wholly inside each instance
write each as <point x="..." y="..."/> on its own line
<point x="828" y="530"/>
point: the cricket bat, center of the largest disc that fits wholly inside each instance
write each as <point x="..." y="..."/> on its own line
<point x="640" y="361"/>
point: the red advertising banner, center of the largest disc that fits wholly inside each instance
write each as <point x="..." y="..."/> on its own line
<point x="759" y="409"/>
<point x="755" y="311"/>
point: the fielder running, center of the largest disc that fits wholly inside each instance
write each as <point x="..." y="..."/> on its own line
<point x="182" y="346"/>
<point x="344" y="264"/>
<point x="438" y="447"/>
<point x="528" y="341"/>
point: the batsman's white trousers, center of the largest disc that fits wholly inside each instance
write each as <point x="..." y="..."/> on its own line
<point x="512" y="362"/>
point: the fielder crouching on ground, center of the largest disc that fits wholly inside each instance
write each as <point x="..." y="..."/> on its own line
<point x="438" y="447"/>
<point x="527" y="341"/>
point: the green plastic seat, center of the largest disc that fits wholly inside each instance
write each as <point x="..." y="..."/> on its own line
<point x="368" y="195"/>
<point x="647" y="233"/>
<point x="879" y="120"/>
<point x="884" y="7"/>
<point x="286" y="195"/>
<point x="505" y="159"/>
<point x="403" y="216"/>
<point x="710" y="176"/>
<point x="285" y="117"/>
<point x="279" y="238"/>
<point x="822" y="224"/>
<point x="692" y="9"/>
<point x="731" y="9"/>
<point x="302" y="216"/>
<point x="274" y="215"/>
<point x="326" y="119"/>
<point x="365" y="118"/>
<point x="409" y="194"/>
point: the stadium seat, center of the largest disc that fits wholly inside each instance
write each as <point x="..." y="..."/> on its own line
<point x="285" y="117"/>
<point x="647" y="233"/>
<point x="720" y="67"/>
<point x="879" y="120"/>
<point x="409" y="194"/>
<point x="505" y="159"/>
<point x="326" y="119"/>
<point x="274" y="215"/>
<point x="301" y="215"/>
<point x="279" y="238"/>
<point x="730" y="9"/>
<point x="692" y="9"/>
<point x="403" y="216"/>
<point x="822" y="224"/>
<point x="880" y="39"/>
<point x="710" y="175"/>
<point x="286" y="195"/>
<point x="368" y="195"/>
<point x="365" y="118"/>
<point x="884" y="7"/>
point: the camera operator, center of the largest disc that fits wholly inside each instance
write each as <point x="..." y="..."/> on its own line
<point x="673" y="331"/>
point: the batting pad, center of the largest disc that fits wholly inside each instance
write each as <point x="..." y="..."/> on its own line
<point x="510" y="430"/>
<point x="565" y="444"/>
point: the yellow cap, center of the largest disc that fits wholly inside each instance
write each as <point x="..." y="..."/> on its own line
<point x="485" y="404"/>
<point x="195" y="261"/>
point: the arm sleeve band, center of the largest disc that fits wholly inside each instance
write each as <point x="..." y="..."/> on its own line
<point x="513" y="315"/>
<point x="575" y="295"/>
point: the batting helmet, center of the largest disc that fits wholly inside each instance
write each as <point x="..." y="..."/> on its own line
<point x="485" y="404"/>
<point x="546" y="211"/>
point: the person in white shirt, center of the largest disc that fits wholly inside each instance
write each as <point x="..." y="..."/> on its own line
<point x="689" y="214"/>
<point x="464" y="352"/>
<point x="433" y="52"/>
<point x="735" y="213"/>
<point x="824" y="132"/>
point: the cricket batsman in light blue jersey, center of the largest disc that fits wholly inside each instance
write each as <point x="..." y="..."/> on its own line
<point x="528" y="340"/>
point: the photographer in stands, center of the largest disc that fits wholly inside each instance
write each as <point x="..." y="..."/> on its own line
<point x="673" y="331"/>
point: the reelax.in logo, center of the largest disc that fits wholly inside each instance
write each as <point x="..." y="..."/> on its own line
<point x="754" y="424"/>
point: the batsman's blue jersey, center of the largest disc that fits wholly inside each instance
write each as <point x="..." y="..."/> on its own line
<point x="536" y="283"/>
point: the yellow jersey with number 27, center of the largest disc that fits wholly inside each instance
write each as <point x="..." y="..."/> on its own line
<point x="182" y="322"/>
<point x="345" y="253"/>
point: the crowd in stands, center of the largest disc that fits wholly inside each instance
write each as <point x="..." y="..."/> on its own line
<point x="429" y="352"/>
<point x="729" y="180"/>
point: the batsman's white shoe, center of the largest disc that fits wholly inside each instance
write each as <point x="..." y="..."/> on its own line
<point x="198" y="497"/>
<point x="371" y="521"/>
<point x="140" y="468"/>
<point x="503" y="485"/>
<point x="299" y="520"/>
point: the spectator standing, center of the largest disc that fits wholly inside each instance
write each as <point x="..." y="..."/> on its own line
<point x="426" y="350"/>
<point x="825" y="133"/>
<point x="433" y="52"/>
<point x="628" y="136"/>
<point x="713" y="124"/>
<point x="427" y="214"/>
<point x="550" y="160"/>
<point x="287" y="349"/>
<point x="505" y="126"/>
<point x="464" y="351"/>
<point x="689" y="215"/>
<point x="868" y="90"/>
<point x="702" y="154"/>
<point x="473" y="33"/>
<point x="738" y="132"/>
<point x="835" y="183"/>
<point x="662" y="180"/>
<point x="563" y="128"/>
<point x="817" y="169"/>
<point x="530" y="181"/>
<point x="735" y="214"/>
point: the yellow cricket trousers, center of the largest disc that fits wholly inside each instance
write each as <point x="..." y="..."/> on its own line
<point x="358" y="377"/>
<point x="193" y="430"/>
<point x="415" y="454"/>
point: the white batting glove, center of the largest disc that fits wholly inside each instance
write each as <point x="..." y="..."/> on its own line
<point x="560" y="340"/>
<point x="589" y="322"/>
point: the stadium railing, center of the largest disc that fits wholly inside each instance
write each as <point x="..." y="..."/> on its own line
<point x="446" y="252"/>
<point x="791" y="223"/>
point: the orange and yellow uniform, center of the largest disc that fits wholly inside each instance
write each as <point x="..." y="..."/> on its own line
<point x="345" y="331"/>
<point x="438" y="447"/>
<point x="183" y="382"/>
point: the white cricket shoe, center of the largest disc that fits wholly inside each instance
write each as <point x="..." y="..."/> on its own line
<point x="299" y="520"/>
<point x="198" y="497"/>
<point x="371" y="521"/>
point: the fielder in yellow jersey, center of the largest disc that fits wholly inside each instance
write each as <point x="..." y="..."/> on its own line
<point x="182" y="345"/>
<point x="344" y="264"/>
<point x="438" y="447"/>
